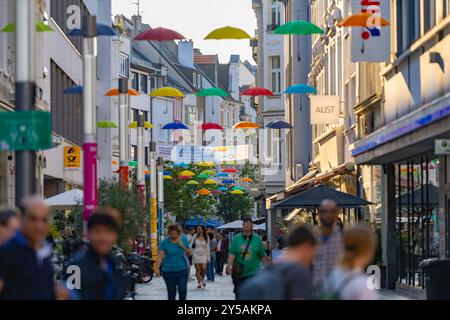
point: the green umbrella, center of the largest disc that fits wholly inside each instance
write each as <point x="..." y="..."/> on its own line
<point x="203" y="176"/>
<point x="133" y="163"/>
<point x="40" y="27"/>
<point x="211" y="92"/>
<point x="106" y="124"/>
<point x="298" y="27"/>
<point x="237" y="188"/>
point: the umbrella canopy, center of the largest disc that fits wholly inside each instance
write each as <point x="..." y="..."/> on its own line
<point x="203" y="192"/>
<point x="133" y="163"/>
<point x="159" y="34"/>
<point x="167" y="178"/>
<point x="146" y="172"/>
<point x="74" y="90"/>
<point x="228" y="181"/>
<point x="298" y="27"/>
<point x="167" y="173"/>
<point x="208" y="172"/>
<point x="362" y="19"/>
<point x="167" y="92"/>
<point x="312" y="198"/>
<point x="300" y="89"/>
<point x="115" y="92"/>
<point x="246" y="180"/>
<point x="246" y="125"/>
<point x="193" y="182"/>
<point x="184" y="177"/>
<point x="40" y="27"/>
<point x="213" y="92"/>
<point x="238" y="225"/>
<point x="221" y="149"/>
<point x="229" y="170"/>
<point x="175" y="126"/>
<point x="208" y="223"/>
<point x="205" y="164"/>
<point x="223" y="175"/>
<point x="216" y="192"/>
<point x="210" y="181"/>
<point x="187" y="173"/>
<point x="256" y="91"/>
<point x="429" y="193"/>
<point x="66" y="199"/>
<point x="227" y="33"/>
<point x="279" y="124"/>
<point x="107" y="124"/>
<point x="203" y="176"/>
<point x="238" y="188"/>
<point x="211" y="126"/>
<point x="181" y="165"/>
<point x="102" y="30"/>
<point x="223" y="189"/>
<point x="147" y="125"/>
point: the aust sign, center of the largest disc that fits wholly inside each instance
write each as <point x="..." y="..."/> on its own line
<point x="324" y="109"/>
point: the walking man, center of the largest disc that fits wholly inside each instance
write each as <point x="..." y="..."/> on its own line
<point x="9" y="224"/>
<point x="220" y="253"/>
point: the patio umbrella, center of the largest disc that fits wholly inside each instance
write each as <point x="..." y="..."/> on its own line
<point x="223" y="175"/>
<point x="213" y="92"/>
<point x="246" y="180"/>
<point x="102" y="30"/>
<point x="184" y="177"/>
<point x="168" y="92"/>
<point x="203" y="192"/>
<point x="237" y="192"/>
<point x="193" y="182"/>
<point x="114" y="92"/>
<point x="223" y="189"/>
<point x="363" y="19"/>
<point x="159" y="34"/>
<point x="300" y="89"/>
<point x="298" y="27"/>
<point x="228" y="181"/>
<point x="279" y="124"/>
<point x="208" y="172"/>
<point x="227" y="32"/>
<point x="229" y="170"/>
<point x="175" y="126"/>
<point x="66" y="200"/>
<point x="147" y="125"/>
<point x="211" y="126"/>
<point x="77" y="89"/>
<point x="40" y="27"/>
<point x="256" y="91"/>
<point x="210" y="181"/>
<point x="181" y="165"/>
<point x="106" y="124"/>
<point x="167" y="177"/>
<point x="203" y="176"/>
<point x="238" y="225"/>
<point x="246" y="125"/>
<point x="187" y="173"/>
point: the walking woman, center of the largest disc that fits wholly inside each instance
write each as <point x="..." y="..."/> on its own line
<point x="172" y="257"/>
<point x="200" y="255"/>
<point x="348" y="281"/>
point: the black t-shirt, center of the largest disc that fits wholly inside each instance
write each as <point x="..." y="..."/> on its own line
<point x="297" y="280"/>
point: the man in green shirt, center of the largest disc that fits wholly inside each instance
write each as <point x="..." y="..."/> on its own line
<point x="245" y="256"/>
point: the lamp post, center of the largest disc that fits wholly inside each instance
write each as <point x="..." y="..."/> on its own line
<point x="161" y="197"/>
<point x="153" y="202"/>
<point x="140" y="159"/>
<point x="90" y="53"/>
<point x="123" y="133"/>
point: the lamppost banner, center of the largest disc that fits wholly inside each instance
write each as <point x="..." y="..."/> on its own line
<point x="324" y="109"/>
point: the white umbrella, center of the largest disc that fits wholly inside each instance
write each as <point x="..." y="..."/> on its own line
<point x="66" y="199"/>
<point x="238" y="225"/>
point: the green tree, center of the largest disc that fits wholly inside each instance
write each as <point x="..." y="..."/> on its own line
<point x="232" y="207"/>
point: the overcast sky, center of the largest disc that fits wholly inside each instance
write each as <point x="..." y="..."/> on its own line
<point x="196" y="18"/>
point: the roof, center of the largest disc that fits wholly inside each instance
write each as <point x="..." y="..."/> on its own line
<point x="206" y="59"/>
<point x="139" y="59"/>
<point x="223" y="76"/>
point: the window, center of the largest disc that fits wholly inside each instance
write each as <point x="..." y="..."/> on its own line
<point x="135" y="81"/>
<point x="157" y="82"/>
<point x="124" y="66"/>
<point x="429" y="15"/>
<point x="143" y="83"/>
<point x="197" y="80"/>
<point x="178" y="109"/>
<point x="275" y="65"/>
<point x="190" y="115"/>
<point x="275" y="15"/>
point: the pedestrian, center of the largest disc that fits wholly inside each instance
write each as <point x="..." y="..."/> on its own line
<point x="190" y="237"/>
<point x="246" y="254"/>
<point x="289" y="278"/>
<point x="330" y="244"/>
<point x="26" y="270"/>
<point x="348" y="281"/>
<point x="9" y="224"/>
<point x="101" y="278"/>
<point x="211" y="267"/>
<point x="172" y="262"/>
<point x="71" y="243"/>
<point x="200" y="255"/>
<point x="220" y="253"/>
<point x="266" y="246"/>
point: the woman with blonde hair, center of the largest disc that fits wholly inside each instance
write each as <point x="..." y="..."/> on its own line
<point x="348" y="280"/>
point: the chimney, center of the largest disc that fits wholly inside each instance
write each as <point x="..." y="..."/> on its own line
<point x="186" y="53"/>
<point x="137" y="23"/>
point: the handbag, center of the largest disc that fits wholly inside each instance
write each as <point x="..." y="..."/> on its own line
<point x="238" y="267"/>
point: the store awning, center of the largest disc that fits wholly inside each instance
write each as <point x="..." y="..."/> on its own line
<point x="429" y="194"/>
<point x="291" y="215"/>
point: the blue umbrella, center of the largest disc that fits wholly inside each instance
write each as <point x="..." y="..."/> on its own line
<point x="181" y="164"/>
<point x="228" y="181"/>
<point x="102" y="30"/>
<point x="279" y="124"/>
<point x="73" y="90"/>
<point x="300" y="89"/>
<point x="223" y="175"/>
<point x="167" y="173"/>
<point x="224" y="189"/>
<point x="175" y="126"/>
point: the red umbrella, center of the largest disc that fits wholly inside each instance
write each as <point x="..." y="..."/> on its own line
<point x="257" y="91"/>
<point x="159" y="34"/>
<point x="211" y="126"/>
<point x="230" y="170"/>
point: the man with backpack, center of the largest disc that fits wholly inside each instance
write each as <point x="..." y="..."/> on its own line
<point x="288" y="279"/>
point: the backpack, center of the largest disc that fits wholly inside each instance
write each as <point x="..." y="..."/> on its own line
<point x="267" y="284"/>
<point x="336" y="294"/>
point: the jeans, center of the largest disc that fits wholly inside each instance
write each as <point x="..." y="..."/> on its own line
<point x="219" y="262"/>
<point x="174" y="279"/>
<point x="210" y="270"/>
<point x="237" y="281"/>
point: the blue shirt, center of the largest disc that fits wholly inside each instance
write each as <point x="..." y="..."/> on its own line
<point x="175" y="258"/>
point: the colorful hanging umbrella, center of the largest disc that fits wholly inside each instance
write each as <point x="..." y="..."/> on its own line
<point x="208" y="172"/>
<point x="238" y="188"/>
<point x="115" y="162"/>
<point x="230" y="170"/>
<point x="213" y="92"/>
<point x="133" y="163"/>
<point x="221" y="149"/>
<point x="193" y="182"/>
<point x="73" y="90"/>
<point x="210" y="181"/>
<point x="167" y="173"/>
<point x="147" y="125"/>
<point x="181" y="165"/>
<point x="246" y="180"/>
<point x="363" y="19"/>
<point x="223" y="175"/>
<point x="203" y="176"/>
<point x="40" y="27"/>
<point x="300" y="89"/>
<point x="187" y="173"/>
<point x="211" y="126"/>
<point x="184" y="177"/>
<point x="223" y="189"/>
<point x="228" y="181"/>
<point x="246" y="125"/>
<point x="227" y="32"/>
<point x="298" y="27"/>
<point x="146" y="172"/>
<point x="205" y="164"/>
<point x="115" y="92"/>
<point x="167" y="92"/>
<point x="257" y="91"/>
<point x="216" y="192"/>
<point x="102" y="30"/>
<point x="159" y="34"/>
<point x="203" y="192"/>
<point x="237" y="192"/>
<point x="167" y="178"/>
<point x="106" y="124"/>
<point x="279" y="124"/>
<point x="175" y="126"/>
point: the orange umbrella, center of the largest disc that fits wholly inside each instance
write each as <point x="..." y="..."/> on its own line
<point x="363" y="19"/>
<point x="115" y="92"/>
<point x="246" y="180"/>
<point x="246" y="125"/>
<point x="203" y="192"/>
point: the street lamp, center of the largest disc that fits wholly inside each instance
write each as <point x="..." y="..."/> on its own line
<point x="140" y="174"/>
<point x="123" y="133"/>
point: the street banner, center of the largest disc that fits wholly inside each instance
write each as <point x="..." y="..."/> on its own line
<point x="72" y="157"/>
<point x="193" y="154"/>
<point x="371" y="43"/>
<point x="325" y="109"/>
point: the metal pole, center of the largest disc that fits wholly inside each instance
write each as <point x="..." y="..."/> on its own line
<point x="123" y="133"/>
<point x="161" y="196"/>
<point x="25" y="91"/>
<point x="140" y="159"/>
<point x="153" y="202"/>
<point x="90" y="54"/>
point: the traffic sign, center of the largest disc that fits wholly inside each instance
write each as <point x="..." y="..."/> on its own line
<point x="72" y="157"/>
<point x="25" y="130"/>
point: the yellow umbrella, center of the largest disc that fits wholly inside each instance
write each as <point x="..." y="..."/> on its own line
<point x="210" y="181"/>
<point x="208" y="172"/>
<point x="220" y="149"/>
<point x="246" y="125"/>
<point x="168" y="92"/>
<point x="237" y="192"/>
<point x="246" y="180"/>
<point x="147" y="125"/>
<point x="167" y="178"/>
<point x="205" y="164"/>
<point x="204" y="192"/>
<point x="227" y="33"/>
<point x="187" y="173"/>
<point x="193" y="182"/>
